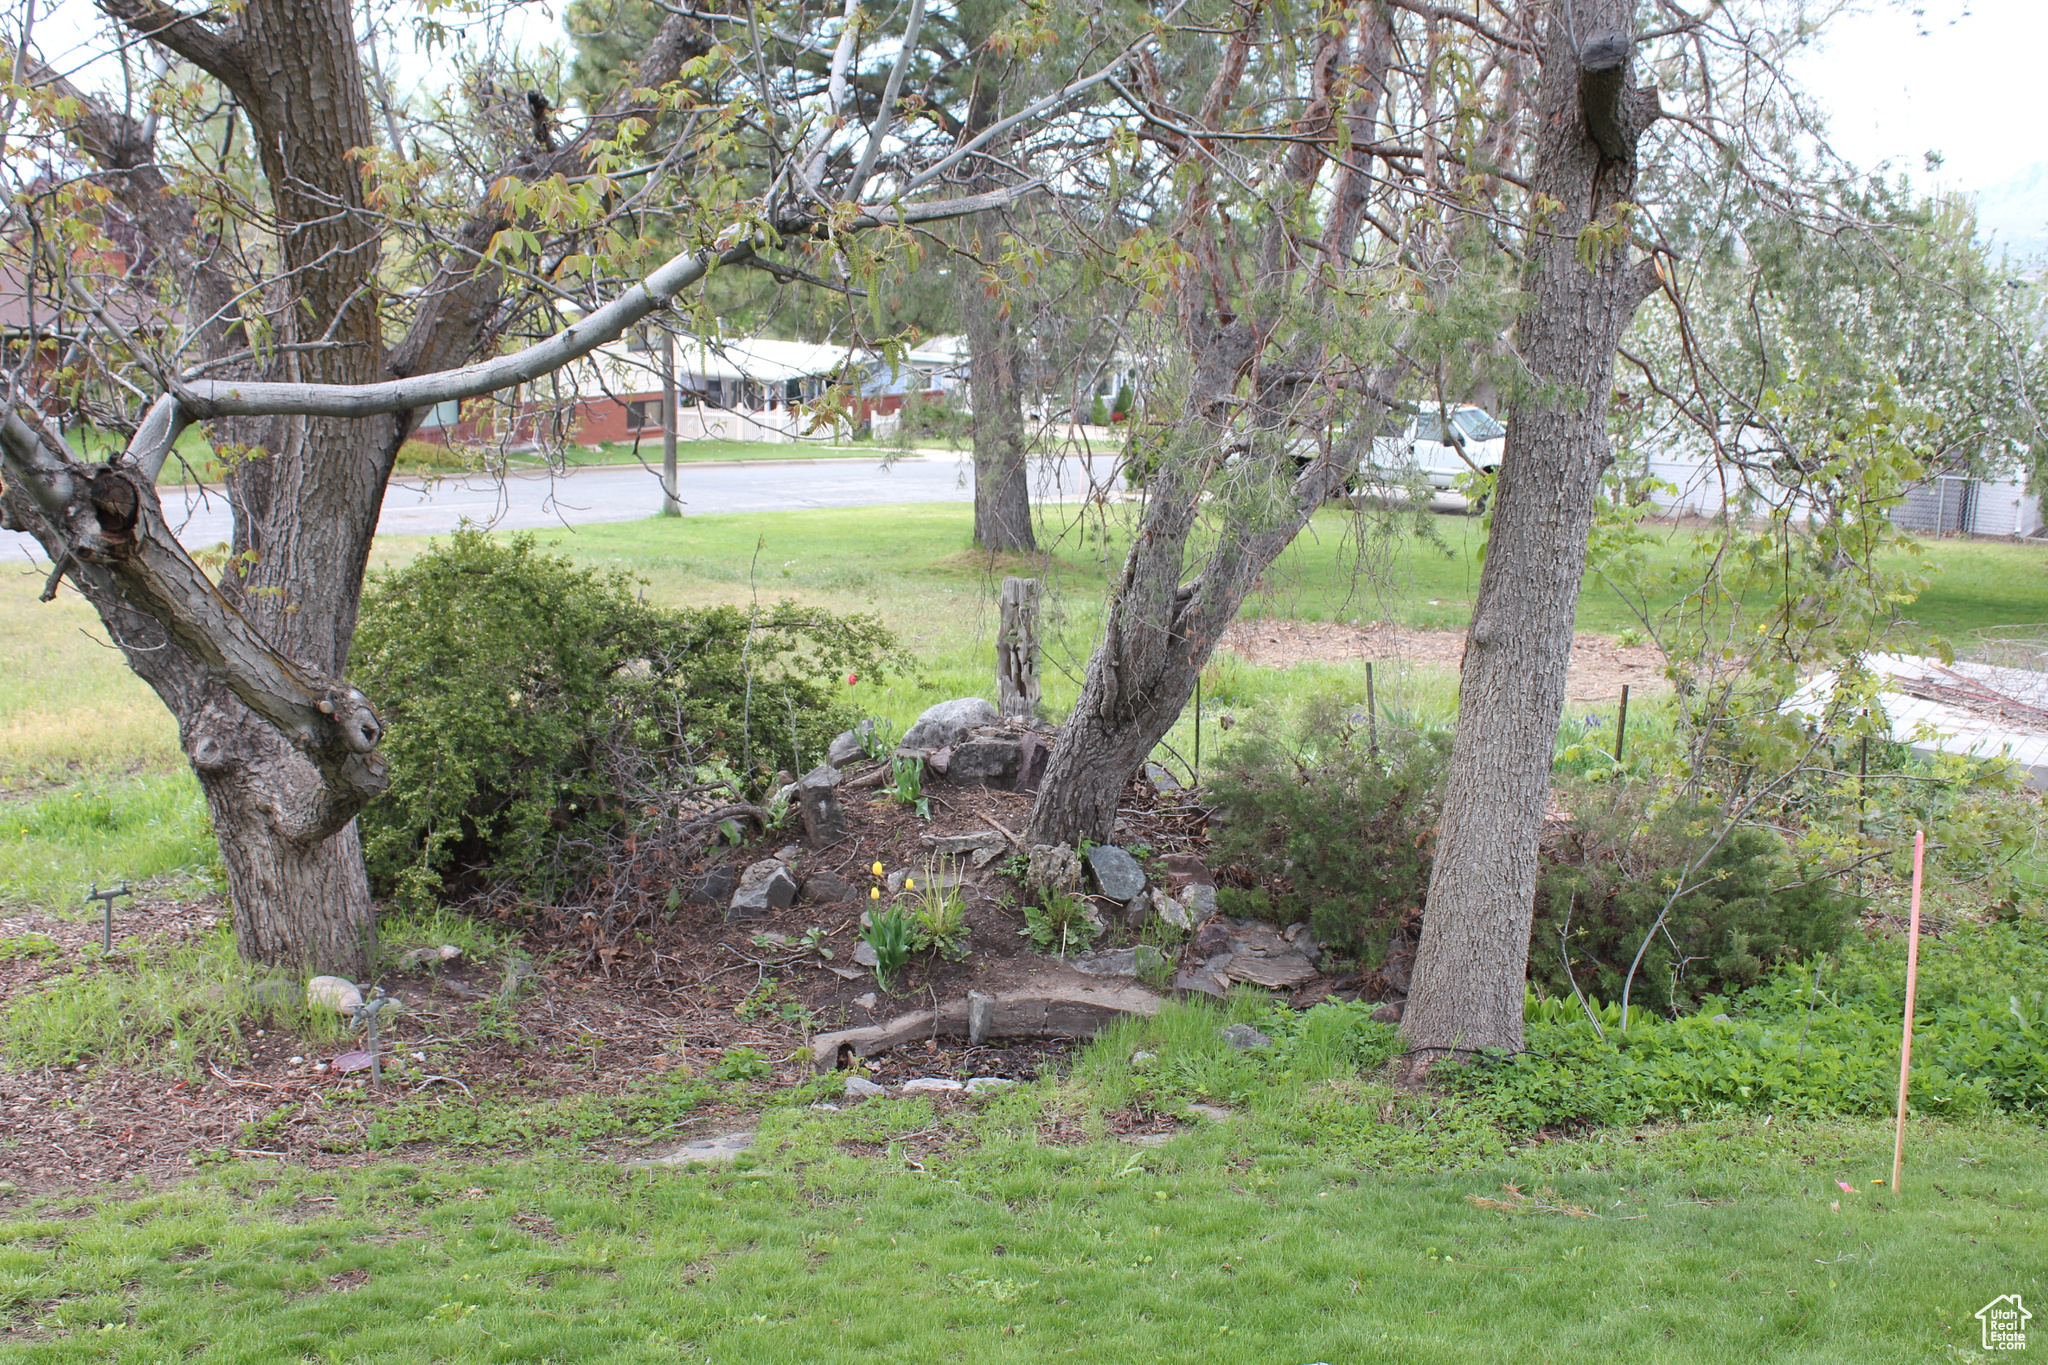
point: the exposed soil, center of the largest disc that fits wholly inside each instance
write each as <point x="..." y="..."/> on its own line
<point x="616" y="994"/>
<point x="1599" y="665"/>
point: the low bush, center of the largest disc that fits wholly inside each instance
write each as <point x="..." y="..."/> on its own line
<point x="1325" y="829"/>
<point x="1745" y="907"/>
<point x="535" y="709"/>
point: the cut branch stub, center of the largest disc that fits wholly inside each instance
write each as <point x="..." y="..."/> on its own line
<point x="1603" y="90"/>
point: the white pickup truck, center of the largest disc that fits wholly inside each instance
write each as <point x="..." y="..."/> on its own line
<point x="1440" y="453"/>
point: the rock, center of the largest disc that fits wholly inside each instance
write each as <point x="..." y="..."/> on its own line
<point x="929" y="1083"/>
<point x="709" y="888"/>
<point x="940" y="761"/>
<point x="1143" y="1058"/>
<point x="772" y="939"/>
<point x="1244" y="1037"/>
<point x="414" y="959"/>
<point x="1182" y="868"/>
<point x="1161" y="779"/>
<point x="953" y="845"/>
<point x="711" y="1151"/>
<point x="1116" y="872"/>
<point x="864" y="953"/>
<point x="1145" y="1139"/>
<point x="1213" y="938"/>
<point x="1106" y="962"/>
<point x="788" y="853"/>
<point x="1034" y="751"/>
<point x="982" y="857"/>
<point x="1138" y="911"/>
<point x="866" y="1002"/>
<point x="845" y="748"/>
<point x="1390" y="1013"/>
<point x="764" y="888"/>
<point x="945" y="723"/>
<point x="897" y="878"/>
<point x="1173" y="909"/>
<point x="982" y="1085"/>
<point x="334" y="993"/>
<point x="827" y="888"/>
<point x="1202" y="983"/>
<point x="847" y="973"/>
<point x="824" y="817"/>
<point x="1053" y="867"/>
<point x="986" y="760"/>
<point x="1274" y="971"/>
<point x="1073" y="1012"/>
<point x="861" y="1085"/>
<point x="1199" y="900"/>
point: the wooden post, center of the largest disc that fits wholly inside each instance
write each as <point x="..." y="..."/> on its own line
<point x="1906" y="1033"/>
<point x="1621" y="725"/>
<point x="671" y="505"/>
<point x="1372" y="714"/>
<point x="1017" y="649"/>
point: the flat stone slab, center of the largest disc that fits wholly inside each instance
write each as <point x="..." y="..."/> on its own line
<point x="930" y="1083"/>
<point x="711" y="1151"/>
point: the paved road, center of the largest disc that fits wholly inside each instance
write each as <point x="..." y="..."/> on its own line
<point x="628" y="493"/>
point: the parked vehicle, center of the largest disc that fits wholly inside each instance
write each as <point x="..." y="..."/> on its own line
<point x="1442" y="453"/>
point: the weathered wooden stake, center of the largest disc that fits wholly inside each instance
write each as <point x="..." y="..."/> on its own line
<point x="1621" y="725"/>
<point x="1017" y="649"/>
<point x="1372" y="714"/>
<point x="1906" y="1033"/>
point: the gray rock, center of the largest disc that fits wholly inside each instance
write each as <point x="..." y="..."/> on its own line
<point x="1053" y="867"/>
<point x="847" y="973"/>
<point x="1201" y="982"/>
<point x="952" y="845"/>
<point x="1244" y="1037"/>
<point x="788" y="853"/>
<point x="1199" y="902"/>
<point x="930" y="1083"/>
<point x="1116" y="872"/>
<point x="764" y="888"/>
<point x="1161" y="779"/>
<point x="1143" y="1058"/>
<point x="824" y="817"/>
<point x="986" y="761"/>
<point x="945" y="723"/>
<point x="861" y="1085"/>
<point x="1390" y="1013"/>
<point x="1034" y="752"/>
<point x="1106" y="962"/>
<point x="982" y="857"/>
<point x="703" y="1152"/>
<point x="1186" y="867"/>
<point x="866" y="1002"/>
<point x="864" y="953"/>
<point x="827" y="888"/>
<point x="334" y="993"/>
<point x="845" y="748"/>
<point x="1173" y="909"/>
<point x="709" y="888"/>
<point x="981" y="1085"/>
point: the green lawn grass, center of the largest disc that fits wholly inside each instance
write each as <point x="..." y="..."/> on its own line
<point x="846" y="1238"/>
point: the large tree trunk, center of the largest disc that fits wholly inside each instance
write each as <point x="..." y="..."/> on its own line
<point x="1002" y="467"/>
<point x="1470" y="967"/>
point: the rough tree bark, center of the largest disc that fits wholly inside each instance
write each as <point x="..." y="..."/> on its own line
<point x="1471" y="964"/>
<point x="1159" y="630"/>
<point x="1002" y="468"/>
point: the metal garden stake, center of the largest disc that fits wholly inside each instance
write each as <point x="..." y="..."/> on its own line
<point x="107" y="897"/>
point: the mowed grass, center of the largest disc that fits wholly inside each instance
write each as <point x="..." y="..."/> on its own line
<point x="844" y="1238"/>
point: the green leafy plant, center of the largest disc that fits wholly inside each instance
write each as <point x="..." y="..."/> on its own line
<point x="1058" y="923"/>
<point x="741" y="1064"/>
<point x="891" y="934"/>
<point x="877" y="736"/>
<point x="941" y="919"/>
<point x="908" y="784"/>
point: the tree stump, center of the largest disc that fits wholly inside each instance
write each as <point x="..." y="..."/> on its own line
<point x="1017" y="649"/>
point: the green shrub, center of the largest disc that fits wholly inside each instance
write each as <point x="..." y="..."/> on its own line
<point x="1124" y="399"/>
<point x="1745" y="908"/>
<point x="531" y="705"/>
<point x="1326" y="829"/>
<point x="1098" y="412"/>
<point x="429" y="457"/>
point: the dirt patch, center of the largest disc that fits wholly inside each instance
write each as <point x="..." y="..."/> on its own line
<point x="631" y="986"/>
<point x="1599" y="664"/>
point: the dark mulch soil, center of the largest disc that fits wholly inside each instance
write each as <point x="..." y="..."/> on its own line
<point x="623" y="989"/>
